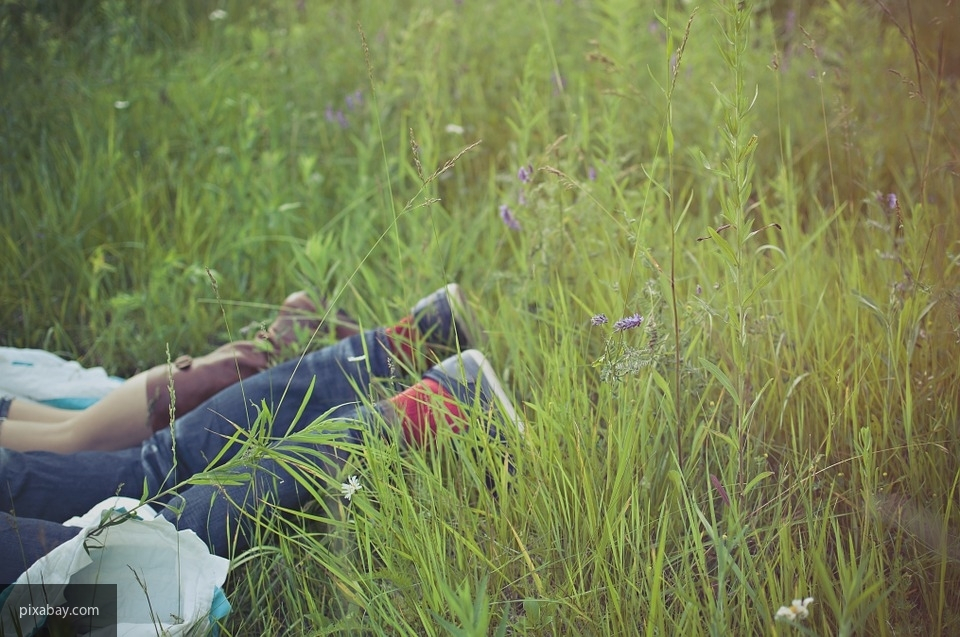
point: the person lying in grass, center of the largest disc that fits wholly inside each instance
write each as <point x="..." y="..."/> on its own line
<point x="141" y="405"/>
<point x="332" y="387"/>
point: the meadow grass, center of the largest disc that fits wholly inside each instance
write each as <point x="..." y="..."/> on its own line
<point x="773" y="189"/>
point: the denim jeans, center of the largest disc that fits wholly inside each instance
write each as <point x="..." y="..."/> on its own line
<point x="41" y="486"/>
<point x="23" y="541"/>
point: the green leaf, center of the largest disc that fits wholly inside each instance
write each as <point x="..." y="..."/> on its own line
<point x="762" y="283"/>
<point x="504" y="625"/>
<point x="733" y="444"/>
<point x="726" y="251"/>
<point x="722" y="378"/>
<point x="749" y="148"/>
<point x="756" y="401"/>
<point x="664" y="386"/>
<point x="757" y="480"/>
<point x="873" y="307"/>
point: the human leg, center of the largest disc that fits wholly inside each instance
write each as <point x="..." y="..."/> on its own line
<point x="193" y="380"/>
<point x="224" y="515"/>
<point x="23" y="541"/>
<point x="117" y="421"/>
<point x="38" y="412"/>
<point x="54" y="487"/>
<point x="324" y="383"/>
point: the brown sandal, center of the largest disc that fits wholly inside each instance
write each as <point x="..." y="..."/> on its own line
<point x="196" y="379"/>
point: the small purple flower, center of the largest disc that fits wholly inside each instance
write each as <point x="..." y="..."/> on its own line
<point x="628" y="323"/>
<point x="328" y="113"/>
<point x="656" y="29"/>
<point x="525" y="174"/>
<point x="790" y="22"/>
<point x="592" y="173"/>
<point x="342" y="119"/>
<point x="892" y="201"/>
<point x="599" y="319"/>
<point x="354" y="100"/>
<point x="522" y="199"/>
<point x="506" y="216"/>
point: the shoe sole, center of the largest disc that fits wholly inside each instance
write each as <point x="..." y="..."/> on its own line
<point x="475" y="364"/>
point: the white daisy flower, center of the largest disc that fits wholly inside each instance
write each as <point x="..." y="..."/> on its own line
<point x="796" y="610"/>
<point x="350" y="487"/>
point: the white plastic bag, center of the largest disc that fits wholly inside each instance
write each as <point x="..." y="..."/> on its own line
<point x="167" y="581"/>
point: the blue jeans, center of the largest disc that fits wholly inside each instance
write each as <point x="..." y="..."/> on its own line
<point x="40" y="486"/>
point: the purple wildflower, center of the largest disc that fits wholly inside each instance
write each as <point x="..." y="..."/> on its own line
<point x="592" y="173"/>
<point x="522" y="199"/>
<point x="506" y="216"/>
<point x="628" y="323"/>
<point x="892" y="201"/>
<point x="328" y="113"/>
<point x="354" y="100"/>
<point x="342" y="119"/>
<point x="599" y="319"/>
<point x="655" y="29"/>
<point x="525" y="174"/>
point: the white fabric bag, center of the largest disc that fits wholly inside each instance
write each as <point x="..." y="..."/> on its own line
<point x="167" y="581"/>
<point x="46" y="378"/>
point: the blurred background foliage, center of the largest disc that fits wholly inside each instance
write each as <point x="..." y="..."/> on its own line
<point x="141" y="143"/>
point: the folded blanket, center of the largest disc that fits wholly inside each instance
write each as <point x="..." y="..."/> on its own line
<point x="46" y="378"/>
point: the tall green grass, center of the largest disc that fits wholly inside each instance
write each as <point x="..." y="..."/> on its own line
<point x="782" y="424"/>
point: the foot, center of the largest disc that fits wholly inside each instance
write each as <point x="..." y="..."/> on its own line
<point x="446" y="322"/>
<point x="299" y="315"/>
<point x="471" y="379"/>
